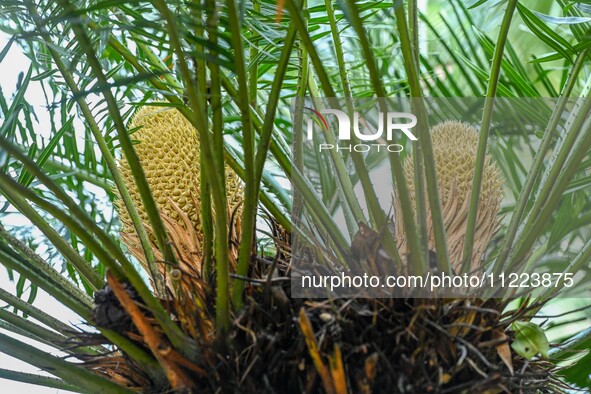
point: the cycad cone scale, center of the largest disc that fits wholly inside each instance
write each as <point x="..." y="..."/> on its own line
<point x="454" y="147"/>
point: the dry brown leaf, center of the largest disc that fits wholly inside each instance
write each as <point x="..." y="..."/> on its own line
<point x="308" y="334"/>
<point x="504" y="350"/>
<point x="460" y="327"/>
<point x="167" y="357"/>
<point x="337" y="371"/>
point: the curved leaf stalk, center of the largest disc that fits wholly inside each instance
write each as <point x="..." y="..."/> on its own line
<point x="75" y="375"/>
<point x="123" y="343"/>
<point x="15" y="330"/>
<point x="34" y="312"/>
<point x="552" y="191"/>
<point x="39" y="380"/>
<point x="419" y="263"/>
<point x="417" y="157"/>
<point x="101" y="253"/>
<point x="205" y="188"/>
<point x="103" y="147"/>
<point x="172" y="331"/>
<point x="297" y="178"/>
<point x="8" y="189"/>
<point x="376" y="213"/>
<point x="261" y="154"/>
<point x="35" y="269"/>
<point x="214" y="170"/>
<point x="249" y="212"/>
<point x="539" y="159"/>
<point x="42" y="334"/>
<point x="491" y="92"/>
<point x="77" y="229"/>
<point x="77" y="212"/>
<point x="124" y="138"/>
<point x="10" y="261"/>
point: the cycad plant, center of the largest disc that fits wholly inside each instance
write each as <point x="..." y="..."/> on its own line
<point x="162" y="193"/>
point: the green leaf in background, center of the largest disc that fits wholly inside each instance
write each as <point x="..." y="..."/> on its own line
<point x="564" y="20"/>
<point x="26" y="178"/>
<point x="576" y="350"/>
<point x="530" y="340"/>
<point x="578" y="373"/>
<point x="545" y="33"/>
<point x="477" y="4"/>
<point x="6" y="48"/>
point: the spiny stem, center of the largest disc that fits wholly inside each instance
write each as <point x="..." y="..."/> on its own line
<point x="23" y="260"/>
<point x="8" y="189"/>
<point x="539" y="159"/>
<point x="30" y="378"/>
<point x="34" y="312"/>
<point x="249" y="211"/>
<point x="261" y="156"/>
<point x="417" y="155"/>
<point x="398" y="178"/>
<point x="376" y="213"/>
<point x="70" y="372"/>
<point x="214" y="170"/>
<point x="424" y="140"/>
<point x="205" y="188"/>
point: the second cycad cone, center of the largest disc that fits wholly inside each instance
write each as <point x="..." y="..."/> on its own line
<point x="454" y="147"/>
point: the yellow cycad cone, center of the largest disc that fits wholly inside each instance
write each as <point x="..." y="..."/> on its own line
<point x="168" y="149"/>
<point x="454" y="147"/>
